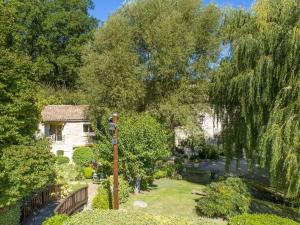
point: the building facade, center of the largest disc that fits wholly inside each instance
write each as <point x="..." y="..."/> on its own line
<point x="67" y="126"/>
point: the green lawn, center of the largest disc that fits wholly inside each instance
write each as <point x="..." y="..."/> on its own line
<point x="170" y="198"/>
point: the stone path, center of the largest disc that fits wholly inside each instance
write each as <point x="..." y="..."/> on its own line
<point x="92" y="191"/>
<point x="42" y="215"/>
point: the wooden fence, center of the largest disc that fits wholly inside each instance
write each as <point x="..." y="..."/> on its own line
<point x="73" y="203"/>
<point x="39" y="200"/>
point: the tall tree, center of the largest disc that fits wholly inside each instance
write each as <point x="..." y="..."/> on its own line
<point x="18" y="110"/>
<point x="153" y="56"/>
<point x="52" y="33"/>
<point x="256" y="90"/>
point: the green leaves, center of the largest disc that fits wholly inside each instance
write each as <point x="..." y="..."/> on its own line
<point x="142" y="141"/>
<point x="24" y="170"/>
<point x="153" y="56"/>
<point x="256" y="90"/>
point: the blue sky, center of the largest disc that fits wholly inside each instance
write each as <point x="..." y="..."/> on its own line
<point x="104" y="8"/>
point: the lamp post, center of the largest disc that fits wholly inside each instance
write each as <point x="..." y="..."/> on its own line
<point x="113" y="127"/>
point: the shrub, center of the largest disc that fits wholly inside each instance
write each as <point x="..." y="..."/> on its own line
<point x="124" y="189"/>
<point x="117" y="217"/>
<point x="160" y="174"/>
<point x="88" y="172"/>
<point x="60" y="159"/>
<point x="56" y="220"/>
<point x="83" y="156"/>
<point x="101" y="200"/>
<point x="260" y="219"/>
<point x="10" y="215"/>
<point x="224" y="199"/>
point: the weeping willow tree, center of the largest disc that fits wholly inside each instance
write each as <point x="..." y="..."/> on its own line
<point x="256" y="90"/>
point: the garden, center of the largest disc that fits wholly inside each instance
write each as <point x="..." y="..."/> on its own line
<point x="161" y="65"/>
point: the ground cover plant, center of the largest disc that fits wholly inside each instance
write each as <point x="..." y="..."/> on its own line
<point x="260" y="219"/>
<point x="114" y="217"/>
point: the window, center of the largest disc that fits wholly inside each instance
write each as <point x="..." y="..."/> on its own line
<point x="56" y="132"/>
<point x="87" y="128"/>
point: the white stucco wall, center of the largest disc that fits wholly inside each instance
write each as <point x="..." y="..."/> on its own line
<point x="73" y="136"/>
<point x="209" y="126"/>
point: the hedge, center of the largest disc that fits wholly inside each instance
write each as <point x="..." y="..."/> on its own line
<point x="10" y="215"/>
<point x="260" y="219"/>
<point x="83" y="156"/>
<point x="56" y="220"/>
<point x="118" y="217"/>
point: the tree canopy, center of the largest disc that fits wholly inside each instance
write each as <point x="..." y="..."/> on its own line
<point x="153" y="56"/>
<point x="256" y="91"/>
<point x="52" y="33"/>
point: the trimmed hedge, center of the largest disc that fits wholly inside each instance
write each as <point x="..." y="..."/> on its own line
<point x="118" y="217"/>
<point x="56" y="220"/>
<point x="260" y="219"/>
<point x="88" y="172"/>
<point x="225" y="199"/>
<point x="60" y="159"/>
<point x="10" y="215"/>
<point x="83" y="156"/>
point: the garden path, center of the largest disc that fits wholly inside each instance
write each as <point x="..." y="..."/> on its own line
<point x="92" y="191"/>
<point x="42" y="215"/>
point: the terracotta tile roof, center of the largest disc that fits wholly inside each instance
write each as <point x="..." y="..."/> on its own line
<point x="65" y="113"/>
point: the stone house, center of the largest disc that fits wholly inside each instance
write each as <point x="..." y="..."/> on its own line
<point x="67" y="126"/>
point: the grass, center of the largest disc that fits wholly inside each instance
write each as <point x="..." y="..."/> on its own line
<point x="169" y="198"/>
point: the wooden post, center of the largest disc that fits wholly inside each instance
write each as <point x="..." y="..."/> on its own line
<point x="115" y="144"/>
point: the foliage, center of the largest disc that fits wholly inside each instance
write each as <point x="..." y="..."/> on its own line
<point x="142" y="141"/>
<point x="124" y="188"/>
<point x="56" y="220"/>
<point x="256" y="89"/>
<point x="26" y="169"/>
<point x="17" y="89"/>
<point x="60" y="159"/>
<point x="88" y="172"/>
<point x="225" y="199"/>
<point x="10" y="215"/>
<point x="153" y="56"/>
<point x="67" y="174"/>
<point x="102" y="200"/>
<point x="117" y="217"/>
<point x="52" y="33"/>
<point x="83" y="156"/>
<point x="160" y="174"/>
<point x="60" y="152"/>
<point x="260" y="219"/>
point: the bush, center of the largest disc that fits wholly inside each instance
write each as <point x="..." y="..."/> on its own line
<point x="260" y="219"/>
<point x="60" y="159"/>
<point x="10" y="215"/>
<point x="160" y="174"/>
<point x="124" y="189"/>
<point x="225" y="199"/>
<point x="117" y="217"/>
<point x="88" y="172"/>
<point x="101" y="200"/>
<point x="56" y="220"/>
<point x="60" y="152"/>
<point x="83" y="156"/>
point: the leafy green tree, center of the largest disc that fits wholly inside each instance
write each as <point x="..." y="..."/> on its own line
<point x="24" y="170"/>
<point x="142" y="142"/>
<point x="256" y="90"/>
<point x="153" y="56"/>
<point x="52" y="33"/>
<point x="18" y="109"/>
